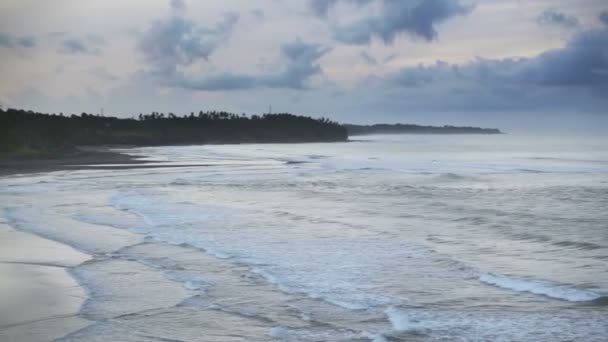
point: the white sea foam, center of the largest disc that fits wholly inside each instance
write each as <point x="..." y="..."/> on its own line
<point x="403" y="321"/>
<point x="555" y="291"/>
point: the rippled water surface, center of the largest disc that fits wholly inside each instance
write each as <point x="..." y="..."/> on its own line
<point x="384" y="238"/>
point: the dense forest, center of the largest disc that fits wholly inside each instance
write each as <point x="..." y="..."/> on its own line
<point x="23" y="131"/>
<point x="416" y="129"/>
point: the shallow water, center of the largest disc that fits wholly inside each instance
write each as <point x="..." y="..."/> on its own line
<point x="384" y="238"/>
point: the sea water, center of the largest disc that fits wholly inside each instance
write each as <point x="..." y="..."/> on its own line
<point x="382" y="238"/>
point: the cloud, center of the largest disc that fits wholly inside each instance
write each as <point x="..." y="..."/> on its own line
<point x="551" y="17"/>
<point x="301" y="64"/>
<point x="75" y="46"/>
<point x="103" y="74"/>
<point x="89" y="44"/>
<point x="575" y="76"/>
<point x="321" y="8"/>
<point x="6" y="40"/>
<point x="367" y="58"/>
<point x="177" y="41"/>
<point x="10" y="42"/>
<point x="397" y="17"/>
<point x="178" y="5"/>
<point x="583" y="62"/>
<point x="172" y="44"/>
<point x="258" y="14"/>
<point x="603" y="17"/>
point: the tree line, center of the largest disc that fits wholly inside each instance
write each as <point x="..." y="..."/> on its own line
<point x="28" y="130"/>
<point x="416" y="129"/>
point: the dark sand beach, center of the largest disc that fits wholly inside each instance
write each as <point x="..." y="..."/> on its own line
<point x="81" y="158"/>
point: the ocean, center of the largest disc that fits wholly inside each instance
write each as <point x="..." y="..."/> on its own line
<point x="382" y="238"/>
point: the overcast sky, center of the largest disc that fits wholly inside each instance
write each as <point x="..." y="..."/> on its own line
<point x="483" y="62"/>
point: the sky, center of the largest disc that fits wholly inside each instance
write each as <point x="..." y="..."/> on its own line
<point x="505" y="63"/>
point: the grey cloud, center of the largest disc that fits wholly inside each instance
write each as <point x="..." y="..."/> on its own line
<point x="321" y="8"/>
<point x="89" y="44"/>
<point x="74" y="46"/>
<point x="552" y="17"/>
<point x="415" y="17"/>
<point x="302" y="63"/>
<point x="583" y="62"/>
<point x="178" y="5"/>
<point x="367" y="58"/>
<point x="258" y="14"/>
<point x="390" y="58"/>
<point x="575" y="76"/>
<point x="103" y="74"/>
<point x="177" y="41"/>
<point x="603" y="17"/>
<point x="8" y="41"/>
<point x="28" y="41"/>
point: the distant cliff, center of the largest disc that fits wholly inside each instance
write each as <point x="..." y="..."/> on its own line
<point x="23" y="132"/>
<point x="415" y="129"/>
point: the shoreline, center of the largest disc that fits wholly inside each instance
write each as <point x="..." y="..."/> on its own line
<point x="82" y="159"/>
<point x="42" y="300"/>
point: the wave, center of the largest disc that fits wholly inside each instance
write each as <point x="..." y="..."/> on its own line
<point x="555" y="291"/>
<point x="578" y="245"/>
<point x="310" y="294"/>
<point x="451" y="176"/>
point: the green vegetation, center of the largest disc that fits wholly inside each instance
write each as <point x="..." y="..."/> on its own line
<point x="25" y="132"/>
<point x="416" y="129"/>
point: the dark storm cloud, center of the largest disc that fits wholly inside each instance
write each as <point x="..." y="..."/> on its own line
<point x="8" y="41"/>
<point x="301" y="64"/>
<point x="552" y="17"/>
<point x="415" y="17"/>
<point x="603" y="17"/>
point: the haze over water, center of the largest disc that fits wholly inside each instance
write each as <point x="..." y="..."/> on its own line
<point x="384" y="238"/>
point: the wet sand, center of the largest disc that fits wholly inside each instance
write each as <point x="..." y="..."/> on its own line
<point x="83" y="158"/>
<point x="40" y="299"/>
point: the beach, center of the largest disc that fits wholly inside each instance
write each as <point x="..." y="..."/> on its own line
<point x="385" y="238"/>
<point x="41" y="300"/>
